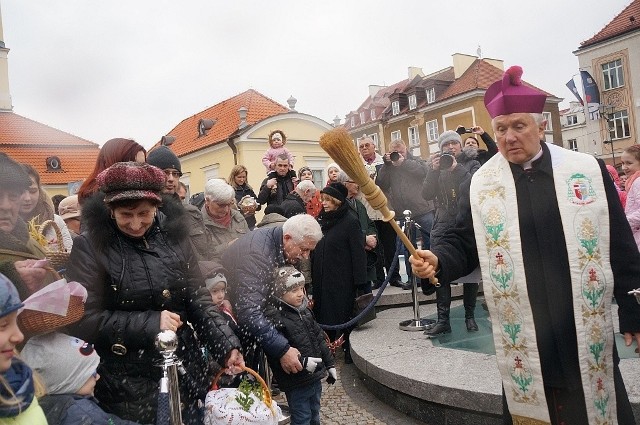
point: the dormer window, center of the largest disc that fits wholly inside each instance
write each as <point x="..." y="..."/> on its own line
<point x="413" y="102"/>
<point x="361" y="117"/>
<point x="431" y="95"/>
<point x="352" y="121"/>
<point x="395" y="107"/>
<point x="373" y="115"/>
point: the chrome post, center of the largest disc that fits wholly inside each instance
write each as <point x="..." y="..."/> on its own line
<point x="417" y="323"/>
<point x="167" y="343"/>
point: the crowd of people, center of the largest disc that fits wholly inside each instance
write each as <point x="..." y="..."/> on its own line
<point x="236" y="291"/>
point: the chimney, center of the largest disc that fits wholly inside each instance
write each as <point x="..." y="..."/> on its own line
<point x="374" y="89"/>
<point x="461" y="63"/>
<point x="242" y="112"/>
<point x="414" y="71"/>
<point x="336" y="120"/>
<point x="292" y="103"/>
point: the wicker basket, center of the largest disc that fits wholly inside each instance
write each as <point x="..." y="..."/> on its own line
<point x="59" y="258"/>
<point x="33" y="322"/>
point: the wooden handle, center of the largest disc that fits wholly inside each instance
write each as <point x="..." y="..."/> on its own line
<point x="412" y="250"/>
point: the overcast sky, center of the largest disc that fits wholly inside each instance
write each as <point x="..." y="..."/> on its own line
<point x="135" y="68"/>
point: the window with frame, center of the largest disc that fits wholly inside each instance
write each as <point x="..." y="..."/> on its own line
<point x="431" y="95"/>
<point x="432" y="131"/>
<point x="395" y="135"/>
<point x="414" y="137"/>
<point x="619" y="125"/>
<point x="373" y="115"/>
<point x="547" y="117"/>
<point x="573" y="144"/>
<point x="612" y="74"/>
<point x="352" y="121"/>
<point x="413" y="102"/>
<point x="572" y="119"/>
<point x="361" y="117"/>
<point x="395" y="107"/>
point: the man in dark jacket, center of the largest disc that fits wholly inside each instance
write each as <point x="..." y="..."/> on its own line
<point x="547" y="227"/>
<point x="398" y="178"/>
<point x="278" y="184"/>
<point x="443" y="186"/>
<point x="296" y="202"/>
<point x="250" y="262"/>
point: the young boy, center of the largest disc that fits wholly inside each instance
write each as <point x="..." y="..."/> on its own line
<point x="289" y="313"/>
<point x="68" y="367"/>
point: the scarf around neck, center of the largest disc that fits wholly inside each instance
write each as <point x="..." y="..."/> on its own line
<point x="20" y="378"/>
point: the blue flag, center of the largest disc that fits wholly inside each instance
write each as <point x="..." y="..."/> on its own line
<point x="591" y="94"/>
<point x="572" y="86"/>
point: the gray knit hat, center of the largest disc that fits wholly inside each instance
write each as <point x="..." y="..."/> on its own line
<point x="449" y="136"/>
<point x="163" y="158"/>
<point x="287" y="279"/>
<point x="65" y="363"/>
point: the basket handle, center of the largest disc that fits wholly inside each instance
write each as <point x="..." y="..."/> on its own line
<point x="266" y="393"/>
<point x="56" y="228"/>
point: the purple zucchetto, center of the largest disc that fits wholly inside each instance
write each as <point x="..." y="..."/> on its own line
<point x="510" y="96"/>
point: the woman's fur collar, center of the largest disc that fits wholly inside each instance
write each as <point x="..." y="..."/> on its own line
<point x="100" y="227"/>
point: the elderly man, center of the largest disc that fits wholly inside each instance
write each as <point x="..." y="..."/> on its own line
<point x="296" y="202"/>
<point x="19" y="252"/>
<point x="554" y="247"/>
<point x="251" y="262"/>
<point x="278" y="184"/>
<point x="387" y="246"/>
<point x="398" y="178"/>
<point x="219" y="224"/>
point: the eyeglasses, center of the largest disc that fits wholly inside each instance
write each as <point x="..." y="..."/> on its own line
<point x="170" y="173"/>
<point x="365" y="145"/>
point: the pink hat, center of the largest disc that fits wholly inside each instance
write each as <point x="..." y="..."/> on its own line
<point x="510" y="96"/>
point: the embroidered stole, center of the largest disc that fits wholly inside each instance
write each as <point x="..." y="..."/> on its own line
<point x="585" y="221"/>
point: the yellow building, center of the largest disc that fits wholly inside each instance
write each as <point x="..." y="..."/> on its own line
<point x="235" y="131"/>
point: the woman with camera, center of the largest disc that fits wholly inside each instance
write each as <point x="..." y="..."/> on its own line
<point x="448" y="170"/>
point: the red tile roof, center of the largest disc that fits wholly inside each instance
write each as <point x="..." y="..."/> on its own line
<point x="480" y="75"/>
<point x="628" y="20"/>
<point x="31" y="142"/>
<point x="225" y="115"/>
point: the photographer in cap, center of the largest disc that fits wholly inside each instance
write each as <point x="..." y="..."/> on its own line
<point x="398" y="178"/>
<point x="448" y="169"/>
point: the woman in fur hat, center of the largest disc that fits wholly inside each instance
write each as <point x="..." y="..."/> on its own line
<point x="142" y="278"/>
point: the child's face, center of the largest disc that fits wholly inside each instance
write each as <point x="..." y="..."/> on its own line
<point x="89" y="386"/>
<point x="294" y="297"/>
<point x="10" y="337"/>
<point x="218" y="292"/>
<point x="276" y="141"/>
<point x="630" y="164"/>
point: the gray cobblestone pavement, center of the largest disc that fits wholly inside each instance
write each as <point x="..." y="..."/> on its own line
<point x="348" y="402"/>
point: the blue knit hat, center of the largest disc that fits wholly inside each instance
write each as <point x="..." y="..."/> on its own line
<point x="9" y="298"/>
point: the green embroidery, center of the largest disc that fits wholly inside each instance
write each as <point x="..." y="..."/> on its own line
<point x="245" y="390"/>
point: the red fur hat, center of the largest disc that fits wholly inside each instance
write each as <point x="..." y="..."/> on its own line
<point x="131" y="180"/>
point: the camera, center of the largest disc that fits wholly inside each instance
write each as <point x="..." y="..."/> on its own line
<point x="446" y="161"/>
<point x="394" y="156"/>
<point x="463" y="130"/>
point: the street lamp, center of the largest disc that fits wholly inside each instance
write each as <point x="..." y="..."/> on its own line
<point x="606" y="112"/>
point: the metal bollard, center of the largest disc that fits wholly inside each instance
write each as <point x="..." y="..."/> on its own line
<point x="417" y="323"/>
<point x="167" y="343"/>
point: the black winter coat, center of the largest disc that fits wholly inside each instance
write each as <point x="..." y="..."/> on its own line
<point x="303" y="332"/>
<point x="338" y="266"/>
<point x="129" y="282"/>
<point x="285" y="186"/>
<point x="293" y="205"/>
<point x="399" y="184"/>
